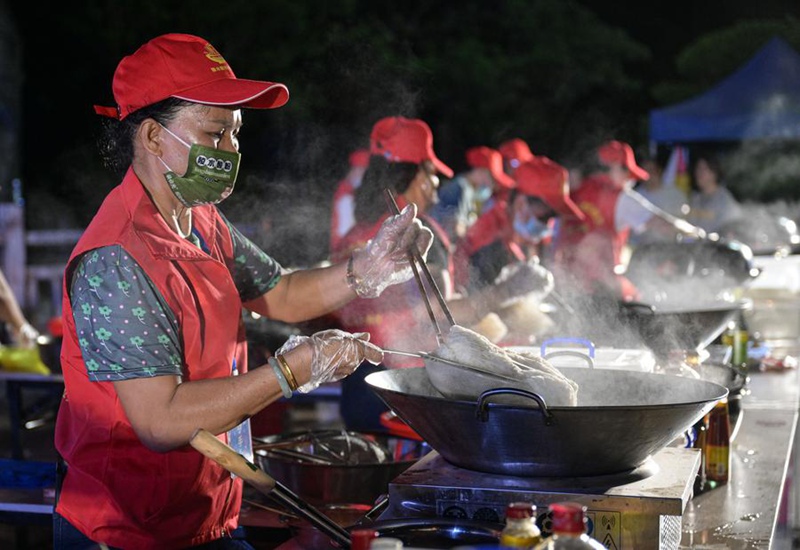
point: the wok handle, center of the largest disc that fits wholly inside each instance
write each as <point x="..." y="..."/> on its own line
<point x="638" y="307"/>
<point x="567" y="340"/>
<point x="569" y="353"/>
<point x="214" y="449"/>
<point x="482" y="407"/>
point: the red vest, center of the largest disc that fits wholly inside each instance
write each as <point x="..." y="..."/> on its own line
<point x="588" y="250"/>
<point x="393" y="320"/>
<point x="494" y="224"/>
<point x="116" y="490"/>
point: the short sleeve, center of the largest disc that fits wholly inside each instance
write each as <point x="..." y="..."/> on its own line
<point x="124" y="326"/>
<point x="254" y="272"/>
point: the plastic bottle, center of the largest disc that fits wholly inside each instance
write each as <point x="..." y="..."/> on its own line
<point x="569" y="529"/>
<point x="718" y="445"/>
<point x="520" y="530"/>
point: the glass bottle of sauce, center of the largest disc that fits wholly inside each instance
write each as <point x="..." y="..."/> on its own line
<point x="718" y="445"/>
<point x="520" y="530"/>
<point x="569" y="529"/>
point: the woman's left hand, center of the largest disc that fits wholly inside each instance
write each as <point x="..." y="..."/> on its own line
<point x="334" y="355"/>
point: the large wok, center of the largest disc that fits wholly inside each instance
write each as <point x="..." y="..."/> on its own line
<point x="621" y="419"/>
<point x="708" y="264"/>
<point x="678" y="326"/>
<point x="337" y="467"/>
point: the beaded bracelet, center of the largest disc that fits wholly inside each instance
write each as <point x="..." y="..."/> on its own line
<point x="287" y="372"/>
<point x="284" y="384"/>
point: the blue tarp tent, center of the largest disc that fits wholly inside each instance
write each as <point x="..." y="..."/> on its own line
<point x="760" y="100"/>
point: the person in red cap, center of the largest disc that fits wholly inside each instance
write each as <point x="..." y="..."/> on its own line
<point x="462" y="199"/>
<point x="342" y="216"/>
<point x="588" y="252"/>
<point x="404" y="162"/>
<point x="511" y="232"/>
<point x="515" y="151"/>
<point x="154" y="344"/>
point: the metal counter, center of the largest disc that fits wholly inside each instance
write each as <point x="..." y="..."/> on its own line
<point x="745" y="513"/>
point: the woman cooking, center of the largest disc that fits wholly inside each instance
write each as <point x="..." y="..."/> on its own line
<point x="154" y="344"/>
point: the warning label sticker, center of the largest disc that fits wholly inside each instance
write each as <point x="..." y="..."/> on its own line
<point x="605" y="527"/>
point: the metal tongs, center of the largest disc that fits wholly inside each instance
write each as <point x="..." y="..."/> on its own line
<point x="414" y="258"/>
<point x="214" y="449"/>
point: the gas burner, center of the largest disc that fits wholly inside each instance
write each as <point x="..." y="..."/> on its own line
<point x="640" y="508"/>
<point x="433" y="469"/>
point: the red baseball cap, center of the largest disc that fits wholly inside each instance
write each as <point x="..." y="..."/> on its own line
<point x="400" y="139"/>
<point x="619" y="152"/>
<point x="515" y="151"/>
<point x="185" y="67"/>
<point x="360" y="158"/>
<point x="485" y="157"/>
<point x="543" y="178"/>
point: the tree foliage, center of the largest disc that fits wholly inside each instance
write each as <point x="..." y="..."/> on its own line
<point x="548" y="71"/>
<point x="716" y="55"/>
<point x="758" y="170"/>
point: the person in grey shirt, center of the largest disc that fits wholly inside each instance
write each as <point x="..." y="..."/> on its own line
<point x="712" y="206"/>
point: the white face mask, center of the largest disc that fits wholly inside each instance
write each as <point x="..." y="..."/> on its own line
<point x="530" y="228"/>
<point x="483" y="193"/>
<point x="431" y="187"/>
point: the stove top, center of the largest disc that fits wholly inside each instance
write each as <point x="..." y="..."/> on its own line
<point x="641" y="508"/>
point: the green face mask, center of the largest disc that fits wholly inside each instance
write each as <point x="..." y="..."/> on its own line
<point x="209" y="178"/>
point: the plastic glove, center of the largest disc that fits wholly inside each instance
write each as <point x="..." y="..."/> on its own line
<point x="521" y="279"/>
<point x="335" y="354"/>
<point x="384" y="261"/>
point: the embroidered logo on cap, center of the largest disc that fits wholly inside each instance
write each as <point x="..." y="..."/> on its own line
<point x="212" y="54"/>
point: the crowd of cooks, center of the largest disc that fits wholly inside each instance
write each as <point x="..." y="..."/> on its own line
<point x="154" y="346"/>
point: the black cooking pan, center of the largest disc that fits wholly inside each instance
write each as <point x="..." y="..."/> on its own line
<point x="621" y="419"/>
<point x="337" y="466"/>
<point x="697" y="262"/>
<point x="430" y="532"/>
<point x="680" y="326"/>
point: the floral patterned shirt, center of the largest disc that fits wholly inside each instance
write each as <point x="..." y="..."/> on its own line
<point x="125" y="327"/>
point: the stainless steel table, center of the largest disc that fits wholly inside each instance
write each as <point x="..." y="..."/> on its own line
<point x="744" y="513"/>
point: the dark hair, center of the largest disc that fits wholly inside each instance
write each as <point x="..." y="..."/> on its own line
<point x="116" y="141"/>
<point x="712" y="161"/>
<point x="370" y="200"/>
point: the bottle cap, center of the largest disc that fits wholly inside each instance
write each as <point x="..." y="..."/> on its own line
<point x="360" y="539"/>
<point x="520" y="510"/>
<point x="568" y="517"/>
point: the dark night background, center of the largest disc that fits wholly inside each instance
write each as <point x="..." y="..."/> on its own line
<point x="561" y="74"/>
